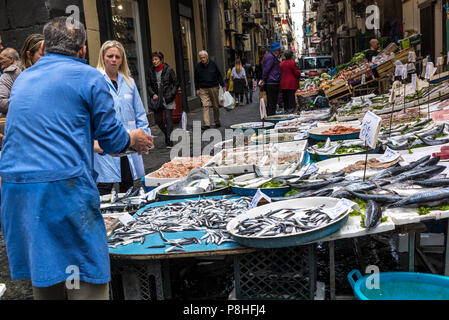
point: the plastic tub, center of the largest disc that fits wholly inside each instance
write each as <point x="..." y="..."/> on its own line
<point x="400" y="286"/>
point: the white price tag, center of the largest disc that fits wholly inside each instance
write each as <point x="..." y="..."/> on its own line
<point x="151" y="195"/>
<point x="412" y="56"/>
<point x="125" y="218"/>
<point x="340" y="208"/>
<point x="429" y="70"/>
<point x="398" y="71"/>
<point x="257" y="197"/>
<point x="311" y="169"/>
<point x="388" y="156"/>
<point x="414" y="82"/>
<point x="204" y="183"/>
<point x="363" y="78"/>
<point x="439" y="61"/>
<point x="300" y="136"/>
<point x="404" y="72"/>
<point x="370" y="129"/>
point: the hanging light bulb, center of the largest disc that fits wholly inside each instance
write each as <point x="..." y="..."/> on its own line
<point x="120" y="7"/>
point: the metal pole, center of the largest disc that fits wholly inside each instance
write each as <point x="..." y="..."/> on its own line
<point x="446" y="250"/>
<point x="411" y="252"/>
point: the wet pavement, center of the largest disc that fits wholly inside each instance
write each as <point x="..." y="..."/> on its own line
<point x="194" y="279"/>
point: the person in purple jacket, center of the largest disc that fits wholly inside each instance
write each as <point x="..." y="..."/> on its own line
<point x="271" y="77"/>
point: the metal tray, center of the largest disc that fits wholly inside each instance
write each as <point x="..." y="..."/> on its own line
<point x="289" y="240"/>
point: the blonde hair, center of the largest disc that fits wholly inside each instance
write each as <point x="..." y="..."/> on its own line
<point x="32" y="44"/>
<point x="238" y="67"/>
<point x="124" y="69"/>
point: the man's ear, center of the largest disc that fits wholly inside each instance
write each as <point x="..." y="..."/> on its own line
<point x="43" y="47"/>
<point x="83" y="52"/>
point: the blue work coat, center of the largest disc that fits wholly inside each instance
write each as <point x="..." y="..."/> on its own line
<point x="51" y="222"/>
<point x="131" y="113"/>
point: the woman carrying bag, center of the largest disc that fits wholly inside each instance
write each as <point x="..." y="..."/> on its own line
<point x="162" y="90"/>
<point x="240" y="82"/>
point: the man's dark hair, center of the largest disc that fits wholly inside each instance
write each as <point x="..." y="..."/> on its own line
<point x="64" y="35"/>
<point x="158" y="54"/>
<point x="288" y="55"/>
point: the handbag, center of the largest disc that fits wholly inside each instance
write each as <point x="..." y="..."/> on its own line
<point x="155" y="105"/>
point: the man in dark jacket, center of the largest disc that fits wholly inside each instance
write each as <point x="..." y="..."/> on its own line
<point x="271" y="77"/>
<point x="207" y="81"/>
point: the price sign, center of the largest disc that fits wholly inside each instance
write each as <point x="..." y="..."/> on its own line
<point x="429" y="70"/>
<point x="439" y="61"/>
<point x="125" y="218"/>
<point x="300" y="136"/>
<point x="363" y="79"/>
<point x="398" y="71"/>
<point x="370" y="129"/>
<point x="340" y="208"/>
<point x="404" y="72"/>
<point x="389" y="156"/>
<point x="257" y="197"/>
<point x="412" y="56"/>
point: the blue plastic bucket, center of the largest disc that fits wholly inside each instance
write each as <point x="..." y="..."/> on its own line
<point x="400" y="286"/>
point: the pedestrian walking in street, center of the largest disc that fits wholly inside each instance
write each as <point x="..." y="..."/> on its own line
<point x="289" y="82"/>
<point x="208" y="78"/>
<point x="11" y="68"/>
<point x="250" y="78"/>
<point x="113" y="64"/>
<point x="260" y="83"/>
<point x="240" y="82"/>
<point x="51" y="222"/>
<point x="32" y="50"/>
<point x="230" y="82"/>
<point x="162" y="84"/>
<point x="271" y="77"/>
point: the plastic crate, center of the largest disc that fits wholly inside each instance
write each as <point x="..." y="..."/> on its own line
<point x="277" y="274"/>
<point x="140" y="280"/>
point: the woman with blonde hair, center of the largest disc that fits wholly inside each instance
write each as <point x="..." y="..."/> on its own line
<point x="240" y="81"/>
<point x="32" y="50"/>
<point x="112" y="63"/>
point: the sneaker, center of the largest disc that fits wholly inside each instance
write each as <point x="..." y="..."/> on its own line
<point x="217" y="125"/>
<point x="205" y="128"/>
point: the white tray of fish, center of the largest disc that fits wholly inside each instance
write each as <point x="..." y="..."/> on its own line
<point x="241" y="160"/>
<point x="275" y="138"/>
<point x="307" y="220"/>
<point x="339" y="163"/>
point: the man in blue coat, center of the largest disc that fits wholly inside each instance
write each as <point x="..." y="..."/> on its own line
<point x="50" y="216"/>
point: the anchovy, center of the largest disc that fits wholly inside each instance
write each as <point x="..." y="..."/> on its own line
<point x="208" y="215"/>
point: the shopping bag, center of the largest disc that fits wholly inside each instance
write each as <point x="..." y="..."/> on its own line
<point x="262" y="109"/>
<point x="221" y="99"/>
<point x="229" y="102"/>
